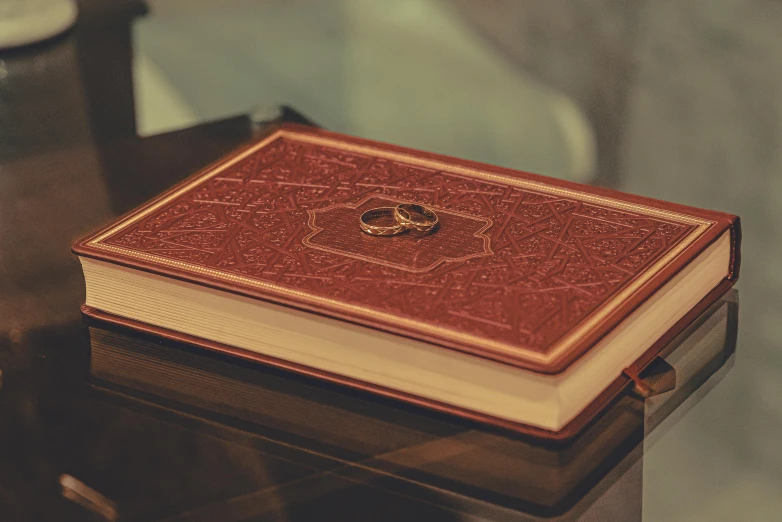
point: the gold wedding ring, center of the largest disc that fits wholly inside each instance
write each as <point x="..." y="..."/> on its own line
<point x="406" y="216"/>
<point x="366" y="219"/>
<point x="416" y="217"/>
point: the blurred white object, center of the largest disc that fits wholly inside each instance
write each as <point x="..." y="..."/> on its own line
<point x="27" y="21"/>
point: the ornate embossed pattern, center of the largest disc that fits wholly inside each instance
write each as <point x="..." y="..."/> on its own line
<point x="552" y="260"/>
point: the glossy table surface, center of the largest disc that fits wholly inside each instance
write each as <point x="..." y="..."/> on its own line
<point x="678" y="103"/>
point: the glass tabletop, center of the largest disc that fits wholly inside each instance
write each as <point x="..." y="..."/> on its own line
<point x="673" y="101"/>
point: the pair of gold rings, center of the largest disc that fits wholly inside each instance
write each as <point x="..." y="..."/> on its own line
<point x="406" y="216"/>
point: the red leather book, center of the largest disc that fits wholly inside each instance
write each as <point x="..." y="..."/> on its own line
<point x="531" y="306"/>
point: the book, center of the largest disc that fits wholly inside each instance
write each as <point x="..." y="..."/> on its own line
<point x="531" y="305"/>
<point x="369" y="439"/>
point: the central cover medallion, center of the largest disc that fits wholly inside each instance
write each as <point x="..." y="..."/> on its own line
<point x="460" y="237"/>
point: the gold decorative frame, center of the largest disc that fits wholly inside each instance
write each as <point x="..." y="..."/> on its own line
<point x="479" y="233"/>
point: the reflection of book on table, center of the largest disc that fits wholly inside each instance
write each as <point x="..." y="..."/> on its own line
<point x="381" y="438"/>
<point x="530" y="306"/>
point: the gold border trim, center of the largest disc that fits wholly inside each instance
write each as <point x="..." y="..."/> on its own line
<point x="564" y="344"/>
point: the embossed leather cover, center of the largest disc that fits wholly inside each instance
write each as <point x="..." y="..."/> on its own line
<point x="525" y="270"/>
